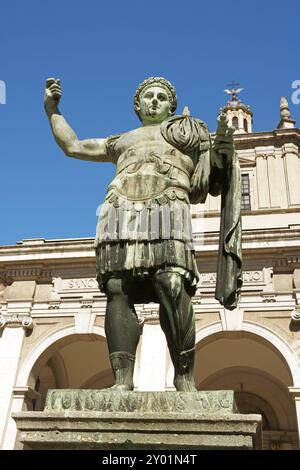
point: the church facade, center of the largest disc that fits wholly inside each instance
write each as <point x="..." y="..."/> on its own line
<point x="52" y="312"/>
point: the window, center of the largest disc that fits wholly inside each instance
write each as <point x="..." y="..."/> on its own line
<point x="245" y="125"/>
<point x="245" y="205"/>
<point x="235" y="122"/>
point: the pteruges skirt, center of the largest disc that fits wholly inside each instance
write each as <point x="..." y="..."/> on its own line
<point x="134" y="240"/>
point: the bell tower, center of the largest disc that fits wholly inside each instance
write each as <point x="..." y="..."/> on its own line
<point x="239" y="114"/>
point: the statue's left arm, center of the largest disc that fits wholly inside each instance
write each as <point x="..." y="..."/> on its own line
<point x="226" y="180"/>
<point x="218" y="172"/>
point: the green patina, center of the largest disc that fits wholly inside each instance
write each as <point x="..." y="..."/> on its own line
<point x="144" y="246"/>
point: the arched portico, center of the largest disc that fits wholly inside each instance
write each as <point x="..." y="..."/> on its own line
<point x="64" y="359"/>
<point x="46" y="348"/>
<point x="261" y="331"/>
<point x="260" y="367"/>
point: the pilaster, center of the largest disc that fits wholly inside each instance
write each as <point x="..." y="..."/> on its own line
<point x="295" y="392"/>
<point x="292" y="168"/>
<point x="15" y="320"/>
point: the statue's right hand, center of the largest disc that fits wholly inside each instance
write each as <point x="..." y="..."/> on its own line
<point x="52" y="94"/>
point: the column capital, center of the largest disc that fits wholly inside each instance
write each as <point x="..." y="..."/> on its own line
<point x="295" y="392"/>
<point x="25" y="395"/>
<point x="290" y="149"/>
<point x="14" y="321"/>
<point x="261" y="155"/>
<point x="26" y="392"/>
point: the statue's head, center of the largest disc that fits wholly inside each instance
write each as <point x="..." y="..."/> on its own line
<point x="155" y="100"/>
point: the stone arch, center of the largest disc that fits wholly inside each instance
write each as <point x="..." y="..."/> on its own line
<point x="274" y="339"/>
<point x="260" y="371"/>
<point x="23" y="378"/>
<point x="273" y="399"/>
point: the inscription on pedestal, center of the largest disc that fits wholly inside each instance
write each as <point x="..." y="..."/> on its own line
<point x="221" y="401"/>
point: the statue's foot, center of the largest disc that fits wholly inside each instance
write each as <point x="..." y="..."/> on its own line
<point x="120" y="388"/>
<point x="184" y="383"/>
<point x="123" y="366"/>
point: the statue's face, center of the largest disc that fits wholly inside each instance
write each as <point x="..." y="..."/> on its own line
<point x="154" y="105"/>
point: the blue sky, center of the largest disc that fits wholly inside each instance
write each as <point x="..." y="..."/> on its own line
<point x="101" y="51"/>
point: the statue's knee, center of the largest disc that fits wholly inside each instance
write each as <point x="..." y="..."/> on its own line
<point x="169" y="282"/>
<point x="113" y="287"/>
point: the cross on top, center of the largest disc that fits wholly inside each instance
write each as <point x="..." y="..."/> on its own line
<point x="233" y="84"/>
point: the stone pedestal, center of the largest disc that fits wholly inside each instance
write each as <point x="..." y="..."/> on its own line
<point x="105" y="420"/>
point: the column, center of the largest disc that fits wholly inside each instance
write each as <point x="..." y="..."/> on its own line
<point x="275" y="187"/>
<point x="14" y="321"/>
<point x="22" y="401"/>
<point x="296" y="291"/>
<point x="292" y="167"/>
<point x="281" y="180"/>
<point x="10" y="348"/>
<point x="249" y="121"/>
<point x="241" y="121"/>
<point x="295" y="392"/>
<point x="262" y="182"/>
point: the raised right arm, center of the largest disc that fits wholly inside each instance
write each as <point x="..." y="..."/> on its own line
<point x="91" y="149"/>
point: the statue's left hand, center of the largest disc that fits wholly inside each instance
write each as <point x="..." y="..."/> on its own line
<point x="223" y="141"/>
<point x="223" y="145"/>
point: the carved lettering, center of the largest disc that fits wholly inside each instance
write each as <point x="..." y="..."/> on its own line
<point x="252" y="276"/>
<point x="249" y="277"/>
<point x="157" y="402"/>
<point x="79" y="284"/>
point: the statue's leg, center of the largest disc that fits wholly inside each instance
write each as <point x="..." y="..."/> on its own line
<point x="122" y="332"/>
<point x="178" y="323"/>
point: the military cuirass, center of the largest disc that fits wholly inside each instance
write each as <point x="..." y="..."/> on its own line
<point x="147" y="165"/>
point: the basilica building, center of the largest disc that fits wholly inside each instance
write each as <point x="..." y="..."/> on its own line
<point x="52" y="312"/>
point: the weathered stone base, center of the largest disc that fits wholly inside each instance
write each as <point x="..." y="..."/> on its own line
<point x="108" y="431"/>
<point x="152" y="421"/>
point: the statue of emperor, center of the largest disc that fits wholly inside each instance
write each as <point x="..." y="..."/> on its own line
<point x="144" y="247"/>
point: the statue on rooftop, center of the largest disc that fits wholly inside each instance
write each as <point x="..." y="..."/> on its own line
<point x="144" y="247"/>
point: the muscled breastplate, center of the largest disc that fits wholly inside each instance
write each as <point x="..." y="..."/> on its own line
<point x="147" y="165"/>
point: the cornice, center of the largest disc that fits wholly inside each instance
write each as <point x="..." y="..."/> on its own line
<point x="62" y="249"/>
<point x="37" y="261"/>
<point x="277" y="138"/>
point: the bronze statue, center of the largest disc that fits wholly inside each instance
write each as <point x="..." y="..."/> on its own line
<point x="144" y="249"/>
